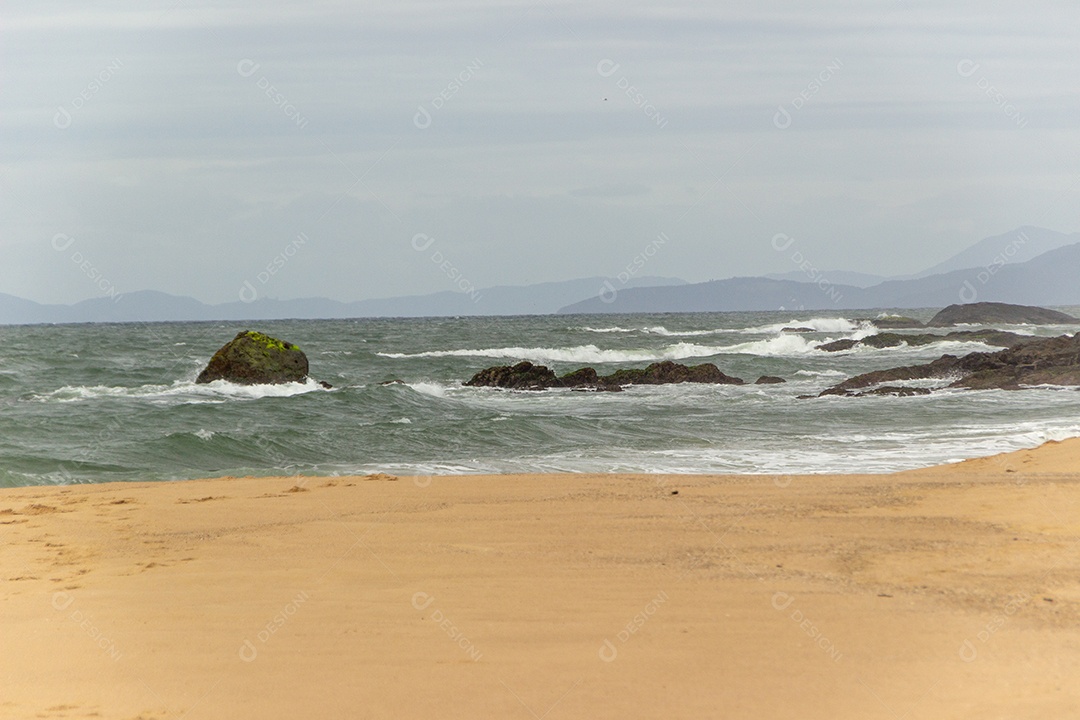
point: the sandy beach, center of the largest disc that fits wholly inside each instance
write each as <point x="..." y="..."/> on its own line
<point x="949" y="592"/>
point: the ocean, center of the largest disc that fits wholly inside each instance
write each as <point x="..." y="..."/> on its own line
<point x="108" y="402"/>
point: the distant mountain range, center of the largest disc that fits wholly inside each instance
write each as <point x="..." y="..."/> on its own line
<point x="1030" y="266"/>
<point x="1020" y="245"/>
<point x="153" y="306"/>
<point x="1052" y="278"/>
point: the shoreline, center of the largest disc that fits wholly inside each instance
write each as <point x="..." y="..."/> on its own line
<point x="948" y="591"/>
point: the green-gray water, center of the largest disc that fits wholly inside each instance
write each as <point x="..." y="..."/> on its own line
<point x="95" y="403"/>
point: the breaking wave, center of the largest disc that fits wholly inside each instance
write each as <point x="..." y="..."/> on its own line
<point x="183" y="390"/>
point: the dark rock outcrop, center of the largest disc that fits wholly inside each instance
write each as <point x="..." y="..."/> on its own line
<point x="523" y="376"/>
<point x="884" y="340"/>
<point x="586" y="379"/>
<point x="584" y="376"/>
<point x="838" y="345"/>
<point x="252" y="358"/>
<point x="999" y="338"/>
<point x="663" y="373"/>
<point x="897" y="390"/>
<point x="987" y="313"/>
<point x="895" y="322"/>
<point x="526" y="376"/>
<point x="769" y="380"/>
<point x="1041" y="361"/>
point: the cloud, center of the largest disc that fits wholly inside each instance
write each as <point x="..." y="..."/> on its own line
<point x="185" y="144"/>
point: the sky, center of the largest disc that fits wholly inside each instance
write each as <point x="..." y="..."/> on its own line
<point x="361" y="150"/>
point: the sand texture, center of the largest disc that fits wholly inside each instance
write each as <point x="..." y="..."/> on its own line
<point x="942" y="593"/>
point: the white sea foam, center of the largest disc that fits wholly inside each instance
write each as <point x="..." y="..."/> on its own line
<point x="932" y="350"/>
<point x="575" y="354"/>
<point x="429" y="388"/>
<point x="821" y="325"/>
<point x="228" y="389"/>
<point x="784" y="345"/>
<point x="663" y="331"/>
<point x="653" y="330"/>
<point x="183" y="390"/>
<point x="850" y="328"/>
<point x="607" y="330"/>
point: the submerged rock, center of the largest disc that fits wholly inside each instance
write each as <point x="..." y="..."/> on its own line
<point x="895" y="322"/>
<point x="986" y="313"/>
<point x="1040" y="361"/>
<point x="999" y="338"/>
<point x="838" y="345"/>
<point x="769" y="380"/>
<point x="252" y="358"/>
<point x="526" y="376"/>
<point x="897" y="390"/>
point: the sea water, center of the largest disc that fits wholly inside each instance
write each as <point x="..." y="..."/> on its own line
<point x="101" y="402"/>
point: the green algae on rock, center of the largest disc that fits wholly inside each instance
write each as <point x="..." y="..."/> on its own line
<point x="253" y="358"/>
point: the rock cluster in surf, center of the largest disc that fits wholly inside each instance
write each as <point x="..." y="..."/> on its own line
<point x="1040" y="361"/>
<point x="526" y="376"/>
<point x="1000" y="338"/>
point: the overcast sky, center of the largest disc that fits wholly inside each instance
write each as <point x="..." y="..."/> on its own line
<point x="182" y="146"/>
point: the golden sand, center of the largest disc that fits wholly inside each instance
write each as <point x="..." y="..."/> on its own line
<point x="949" y="592"/>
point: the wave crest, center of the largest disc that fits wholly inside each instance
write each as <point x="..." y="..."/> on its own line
<point x="216" y="391"/>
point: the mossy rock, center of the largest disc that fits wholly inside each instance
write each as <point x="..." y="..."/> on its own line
<point x="253" y="358"/>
